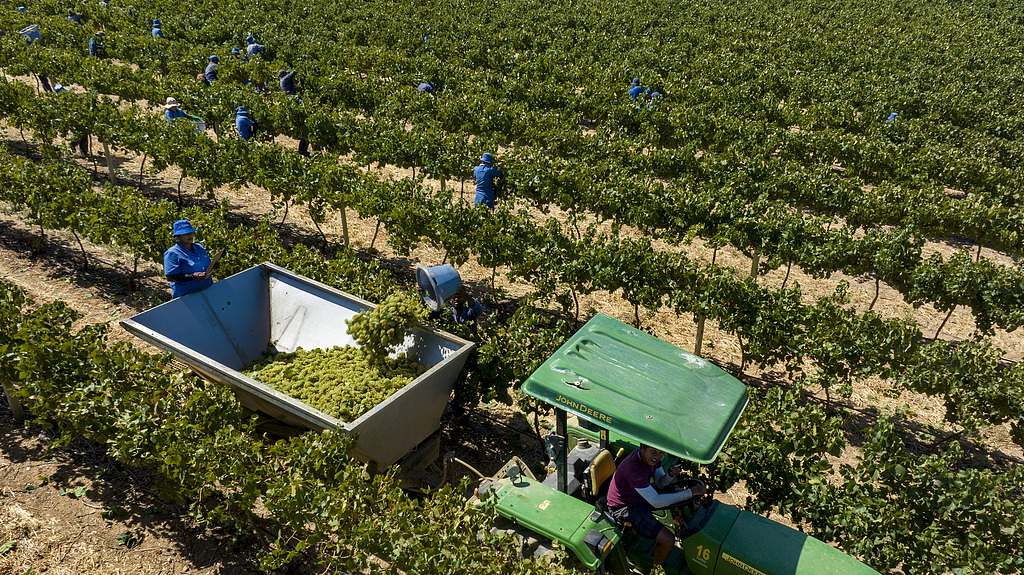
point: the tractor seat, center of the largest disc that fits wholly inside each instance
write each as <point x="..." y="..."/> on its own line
<point x="601" y="470"/>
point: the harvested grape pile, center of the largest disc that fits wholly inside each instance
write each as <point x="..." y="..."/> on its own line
<point x="380" y="330"/>
<point x="340" y="381"/>
<point x="345" y="382"/>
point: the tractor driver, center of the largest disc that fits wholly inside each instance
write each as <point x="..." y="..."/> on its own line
<point x="633" y="497"/>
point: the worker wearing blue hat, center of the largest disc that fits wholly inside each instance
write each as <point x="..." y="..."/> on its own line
<point x="635" y="89"/>
<point x="210" y="73"/>
<point x="187" y="264"/>
<point x="252" y="47"/>
<point x="244" y="124"/>
<point x="485" y="174"/>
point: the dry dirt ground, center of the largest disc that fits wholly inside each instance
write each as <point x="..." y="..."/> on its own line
<point x="483" y="438"/>
<point x="72" y="511"/>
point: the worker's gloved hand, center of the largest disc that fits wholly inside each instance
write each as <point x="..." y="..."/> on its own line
<point x="698" y="489"/>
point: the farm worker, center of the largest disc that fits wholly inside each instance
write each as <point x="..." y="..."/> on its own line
<point x="465" y="308"/>
<point x="96" y="44"/>
<point x="655" y="99"/>
<point x="892" y="118"/>
<point x="244" y="123"/>
<point x="22" y="9"/>
<point x="79" y="140"/>
<point x="157" y="28"/>
<point x="210" y="73"/>
<point x="31" y="33"/>
<point x="287" y="81"/>
<point x="44" y="80"/>
<point x="635" y="89"/>
<point x="76" y="18"/>
<point x="484" y="174"/>
<point x="173" y="111"/>
<point x="632" y="497"/>
<point x="187" y="264"/>
<point x="252" y="47"/>
<point x="426" y="88"/>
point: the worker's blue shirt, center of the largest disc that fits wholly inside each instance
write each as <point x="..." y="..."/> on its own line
<point x="158" y="33"/>
<point x="635" y="92"/>
<point x="484" y="176"/>
<point x="178" y="260"/>
<point x="210" y="74"/>
<point x="467" y="312"/>
<point x="426" y="87"/>
<point x="172" y="114"/>
<point x="93" y="47"/>
<point x="253" y="49"/>
<point x="244" y="125"/>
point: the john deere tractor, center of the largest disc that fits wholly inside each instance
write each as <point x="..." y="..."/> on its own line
<point x="627" y="388"/>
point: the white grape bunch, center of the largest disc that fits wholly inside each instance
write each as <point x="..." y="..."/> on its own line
<point x="378" y="331"/>
<point x="340" y="381"/>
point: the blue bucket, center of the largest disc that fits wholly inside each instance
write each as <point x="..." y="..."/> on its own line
<point x="437" y="283"/>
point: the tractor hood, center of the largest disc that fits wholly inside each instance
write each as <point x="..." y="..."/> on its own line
<point x="647" y="390"/>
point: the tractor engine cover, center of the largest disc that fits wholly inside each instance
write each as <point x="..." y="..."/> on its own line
<point x="734" y="542"/>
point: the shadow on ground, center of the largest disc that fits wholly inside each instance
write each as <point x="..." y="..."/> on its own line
<point x="126" y="496"/>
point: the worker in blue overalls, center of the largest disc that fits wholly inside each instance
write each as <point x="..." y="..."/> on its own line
<point x="485" y="174"/>
<point x="210" y="72"/>
<point x="187" y="264"/>
<point x="252" y="47"/>
<point x="244" y="124"/>
<point x="635" y="89"/>
<point x="466" y="309"/>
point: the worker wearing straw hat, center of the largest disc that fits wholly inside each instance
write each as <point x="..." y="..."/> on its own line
<point x="173" y="111"/>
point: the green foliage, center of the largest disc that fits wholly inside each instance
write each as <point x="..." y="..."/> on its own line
<point x="921" y="513"/>
<point x="772" y="129"/>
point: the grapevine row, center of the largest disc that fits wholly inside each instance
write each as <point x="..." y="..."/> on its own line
<point x="773" y="326"/>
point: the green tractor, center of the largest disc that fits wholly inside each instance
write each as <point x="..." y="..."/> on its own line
<point x="627" y="388"/>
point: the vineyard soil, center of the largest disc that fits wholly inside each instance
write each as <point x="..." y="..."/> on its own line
<point x="74" y="512"/>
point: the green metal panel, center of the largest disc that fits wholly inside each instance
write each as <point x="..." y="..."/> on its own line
<point x="702" y="549"/>
<point x="645" y="389"/>
<point x="759" y="546"/>
<point x="552" y="514"/>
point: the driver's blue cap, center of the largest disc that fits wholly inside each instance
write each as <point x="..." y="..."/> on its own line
<point x="182" y="227"/>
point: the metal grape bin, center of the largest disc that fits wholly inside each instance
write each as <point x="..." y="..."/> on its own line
<point x="223" y="329"/>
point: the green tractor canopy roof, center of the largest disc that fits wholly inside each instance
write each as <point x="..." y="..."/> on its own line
<point x="642" y="388"/>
